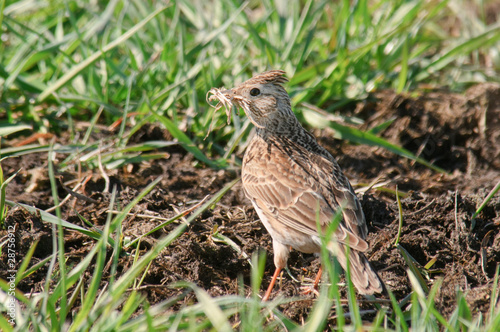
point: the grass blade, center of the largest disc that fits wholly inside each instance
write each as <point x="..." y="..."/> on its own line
<point x="400" y="213"/>
<point x="357" y="136"/>
<point x="186" y="142"/>
<point x="413" y="268"/>
<point x="486" y="200"/>
<point x="95" y="56"/>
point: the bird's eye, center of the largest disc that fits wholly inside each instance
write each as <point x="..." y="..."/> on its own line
<point x="254" y="92"/>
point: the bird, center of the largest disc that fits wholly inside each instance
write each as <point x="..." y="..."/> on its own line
<point x="292" y="181"/>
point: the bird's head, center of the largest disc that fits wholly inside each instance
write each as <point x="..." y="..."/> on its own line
<point x="263" y="98"/>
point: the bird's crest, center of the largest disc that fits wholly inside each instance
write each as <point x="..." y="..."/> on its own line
<point x="272" y="76"/>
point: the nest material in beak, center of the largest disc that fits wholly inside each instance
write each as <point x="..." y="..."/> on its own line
<point x="224" y="98"/>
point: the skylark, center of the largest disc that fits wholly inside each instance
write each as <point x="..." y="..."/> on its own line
<point x="288" y="176"/>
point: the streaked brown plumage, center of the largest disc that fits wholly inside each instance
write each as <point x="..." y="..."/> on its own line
<point x="286" y="175"/>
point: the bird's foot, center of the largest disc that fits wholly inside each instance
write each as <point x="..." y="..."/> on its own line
<point x="314" y="288"/>
<point x="311" y="289"/>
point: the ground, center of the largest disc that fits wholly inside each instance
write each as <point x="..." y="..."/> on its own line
<point x="457" y="132"/>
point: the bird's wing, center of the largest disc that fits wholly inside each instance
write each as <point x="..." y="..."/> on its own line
<point x="296" y="190"/>
<point x="342" y="194"/>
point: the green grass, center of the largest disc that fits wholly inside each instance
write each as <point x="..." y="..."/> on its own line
<point x="62" y="62"/>
<point x="114" y="60"/>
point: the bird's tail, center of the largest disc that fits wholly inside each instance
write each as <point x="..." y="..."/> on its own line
<point x="363" y="275"/>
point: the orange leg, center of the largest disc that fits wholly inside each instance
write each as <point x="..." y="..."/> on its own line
<point x="318" y="278"/>
<point x="271" y="285"/>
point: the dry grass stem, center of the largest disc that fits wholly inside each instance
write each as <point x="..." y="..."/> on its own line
<point x="217" y="94"/>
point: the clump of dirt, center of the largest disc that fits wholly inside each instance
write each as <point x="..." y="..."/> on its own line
<point x="459" y="133"/>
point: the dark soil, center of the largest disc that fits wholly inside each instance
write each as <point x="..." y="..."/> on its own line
<point x="459" y="133"/>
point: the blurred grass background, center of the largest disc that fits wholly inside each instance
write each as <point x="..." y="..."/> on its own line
<point x="67" y="61"/>
<point x="125" y="64"/>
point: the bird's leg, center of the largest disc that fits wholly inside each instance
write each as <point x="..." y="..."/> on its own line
<point x="314" y="288"/>
<point x="271" y="285"/>
<point x="318" y="278"/>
